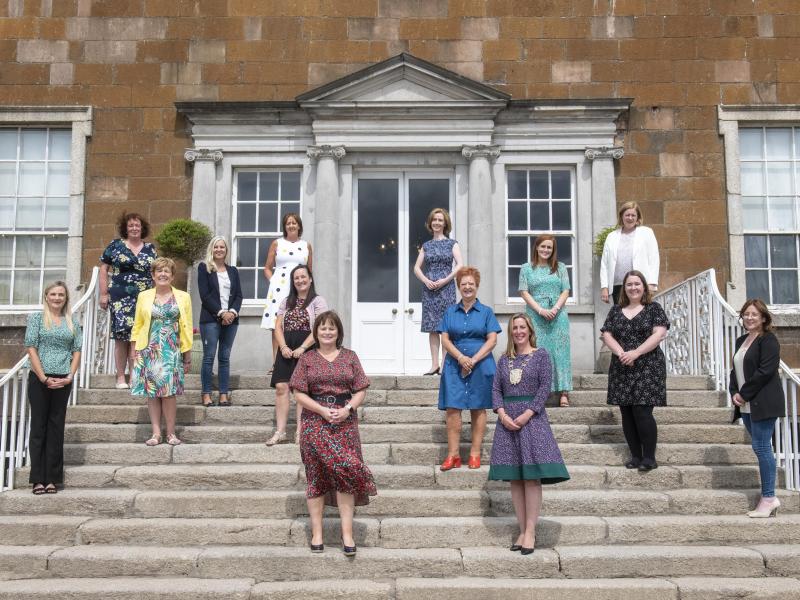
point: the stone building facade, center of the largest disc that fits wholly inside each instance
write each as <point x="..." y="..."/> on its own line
<point x="190" y="107"/>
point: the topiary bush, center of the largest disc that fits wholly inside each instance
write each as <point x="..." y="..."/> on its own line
<point x="183" y="239"/>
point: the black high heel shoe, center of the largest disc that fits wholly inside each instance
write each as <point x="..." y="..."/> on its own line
<point x="435" y="372"/>
<point x="515" y="547"/>
<point x="526" y="551"/>
<point x="316" y="548"/>
<point x="348" y="550"/>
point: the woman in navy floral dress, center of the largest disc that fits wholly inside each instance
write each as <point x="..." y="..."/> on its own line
<point x="330" y="384"/>
<point x="524" y="450"/>
<point x="437" y="263"/>
<point x="124" y="274"/>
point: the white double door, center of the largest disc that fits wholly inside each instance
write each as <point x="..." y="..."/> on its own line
<point x="389" y="211"/>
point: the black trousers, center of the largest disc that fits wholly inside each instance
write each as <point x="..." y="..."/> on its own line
<point x="46" y="442"/>
<point x="641" y="431"/>
<point x="615" y="294"/>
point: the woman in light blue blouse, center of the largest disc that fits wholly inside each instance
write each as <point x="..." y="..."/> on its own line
<point x="53" y="340"/>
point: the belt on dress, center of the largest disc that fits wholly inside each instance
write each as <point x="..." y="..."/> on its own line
<point x="512" y="399"/>
<point x="332" y="399"/>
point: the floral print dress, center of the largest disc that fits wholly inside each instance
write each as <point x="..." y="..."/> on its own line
<point x="158" y="369"/>
<point x="128" y="274"/>
<point x="438" y="264"/>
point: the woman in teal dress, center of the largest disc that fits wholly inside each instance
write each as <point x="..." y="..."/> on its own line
<point x="162" y="334"/>
<point x="544" y="285"/>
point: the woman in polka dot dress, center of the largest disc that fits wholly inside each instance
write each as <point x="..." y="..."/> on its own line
<point x="284" y="255"/>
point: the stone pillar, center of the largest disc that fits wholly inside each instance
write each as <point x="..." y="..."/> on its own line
<point x="327" y="276"/>
<point x="604" y="214"/>
<point x="478" y="248"/>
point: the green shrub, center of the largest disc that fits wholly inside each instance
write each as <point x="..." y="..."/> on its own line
<point x="183" y="239"/>
<point x="600" y="240"/>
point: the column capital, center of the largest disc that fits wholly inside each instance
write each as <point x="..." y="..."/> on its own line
<point x="326" y="151"/>
<point x="480" y="151"/>
<point x="202" y="154"/>
<point x="614" y="152"/>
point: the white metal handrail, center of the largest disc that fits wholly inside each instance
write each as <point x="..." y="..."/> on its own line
<point x="95" y="358"/>
<point x="702" y="340"/>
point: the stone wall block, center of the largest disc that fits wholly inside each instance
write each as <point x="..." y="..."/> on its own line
<point x="252" y="28"/>
<point x="109" y="52"/>
<point x="612" y="27"/>
<point x="674" y="165"/>
<point x="480" y="28"/>
<point x="62" y="73"/>
<point x="572" y="72"/>
<point x="42" y="51"/>
<point x="186" y="92"/>
<point x="412" y="8"/>
<point x="765" y="27"/>
<point x="372" y="29"/>
<point x="211" y="51"/>
<point x="732" y="71"/>
<point x="94" y="28"/>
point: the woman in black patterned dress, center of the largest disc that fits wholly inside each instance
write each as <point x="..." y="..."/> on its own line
<point x="637" y="378"/>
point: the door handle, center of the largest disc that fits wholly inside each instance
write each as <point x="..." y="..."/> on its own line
<point x="394" y="311"/>
<point x="410" y="310"/>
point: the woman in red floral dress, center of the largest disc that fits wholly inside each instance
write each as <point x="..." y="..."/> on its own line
<point x="330" y="385"/>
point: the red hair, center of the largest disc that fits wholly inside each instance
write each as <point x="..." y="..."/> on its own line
<point x="468" y="272"/>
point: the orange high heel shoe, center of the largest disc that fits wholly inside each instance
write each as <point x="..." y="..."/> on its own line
<point x="451" y="462"/>
<point x="474" y="462"/>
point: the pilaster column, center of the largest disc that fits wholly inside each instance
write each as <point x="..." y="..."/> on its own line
<point x="479" y="214"/>
<point x="327" y="274"/>
<point x="204" y="184"/>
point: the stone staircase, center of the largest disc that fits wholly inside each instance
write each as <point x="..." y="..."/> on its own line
<point x="224" y="517"/>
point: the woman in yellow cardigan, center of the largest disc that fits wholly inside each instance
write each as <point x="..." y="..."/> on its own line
<point x="162" y="334"/>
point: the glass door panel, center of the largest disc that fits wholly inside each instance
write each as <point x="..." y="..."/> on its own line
<point x="423" y="196"/>
<point x="378" y="225"/>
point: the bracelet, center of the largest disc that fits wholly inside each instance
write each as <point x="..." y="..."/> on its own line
<point x="349" y="407"/>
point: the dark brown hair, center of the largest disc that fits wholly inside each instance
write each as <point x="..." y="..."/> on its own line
<point x="291" y="301"/>
<point x="297" y="218"/>
<point x="468" y="272"/>
<point x="122" y="224"/>
<point x="647" y="295"/>
<point x="552" y="262"/>
<point x="329" y="316"/>
<point x="759" y="305"/>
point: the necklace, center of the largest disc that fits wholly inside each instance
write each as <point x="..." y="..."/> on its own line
<point x="515" y="373"/>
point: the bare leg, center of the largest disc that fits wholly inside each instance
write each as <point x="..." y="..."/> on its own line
<point x="154" y="410"/>
<point x="453" y="421"/>
<point x="346" y="504"/>
<point x="533" y="506"/>
<point x="274" y="349"/>
<point x="478" y="431"/>
<point x="433" y="341"/>
<point x="315" y="508"/>
<point x="120" y="358"/>
<point x="131" y="357"/>
<point x="169" y="406"/>
<point x="281" y="406"/>
<point x="518" y="500"/>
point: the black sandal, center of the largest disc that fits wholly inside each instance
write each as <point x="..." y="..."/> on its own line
<point x="38" y="489"/>
<point x="51" y="489"/>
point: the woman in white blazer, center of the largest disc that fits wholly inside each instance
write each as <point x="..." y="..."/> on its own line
<point x="631" y="247"/>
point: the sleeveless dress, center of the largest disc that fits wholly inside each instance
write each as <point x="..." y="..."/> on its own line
<point x="158" y="369"/>
<point x="438" y="263"/>
<point x="287" y="256"/>
<point x="545" y="287"/>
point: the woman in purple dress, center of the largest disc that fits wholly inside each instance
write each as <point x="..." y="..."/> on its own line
<point x="524" y="450"/>
<point x="437" y="263"/>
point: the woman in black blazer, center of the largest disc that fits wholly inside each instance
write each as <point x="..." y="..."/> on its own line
<point x="757" y="395"/>
<point x="221" y="299"/>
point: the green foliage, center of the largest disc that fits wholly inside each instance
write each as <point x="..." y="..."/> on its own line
<point x="183" y="239"/>
<point x="600" y="240"/>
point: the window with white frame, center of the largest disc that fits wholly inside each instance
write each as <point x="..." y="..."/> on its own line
<point x="538" y="200"/>
<point x="770" y="192"/>
<point x="260" y="200"/>
<point x="34" y="211"/>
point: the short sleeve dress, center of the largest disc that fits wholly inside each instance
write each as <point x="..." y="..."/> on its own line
<point x="545" y="287"/>
<point x="645" y="382"/>
<point x="532" y="451"/>
<point x="467" y="331"/>
<point x="287" y="256"/>
<point x="158" y="368"/>
<point x="331" y="452"/>
<point x="437" y="264"/>
<point x="128" y="275"/>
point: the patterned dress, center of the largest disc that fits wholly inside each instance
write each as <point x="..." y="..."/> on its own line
<point x="545" y="287"/>
<point x="438" y="263"/>
<point x="644" y="383"/>
<point x="532" y="451"/>
<point x="331" y="452"/>
<point x="158" y="369"/>
<point x="128" y="275"/>
<point x="287" y="256"/>
<point x="296" y="328"/>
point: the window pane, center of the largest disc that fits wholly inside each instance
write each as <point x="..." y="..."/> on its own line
<point x="26" y="287"/>
<point x="781" y="214"/>
<point x="32" y="145"/>
<point x="779" y="143"/>
<point x="518" y="250"/>
<point x="571" y="279"/>
<point x="262" y="285"/>
<point x="564" y="247"/>
<point x="539" y="184"/>
<point x="782" y="250"/>
<point x="517" y="184"/>
<point x="562" y="215"/>
<point x="248" y="281"/>
<point x="6" y="251"/>
<point x="55" y="252"/>
<point x="752" y="179"/>
<point x="561" y="184"/>
<point x="5" y="287"/>
<point x="246" y="254"/>
<point x="58" y="179"/>
<point x="751" y="144"/>
<point x="755" y="251"/>
<point x="757" y="283"/>
<point x="269" y="185"/>
<point x="51" y="275"/>
<point x="754" y="213"/>
<point x="8" y="178"/>
<point x="246" y="187"/>
<point x="29" y="213"/>
<point x="289" y="207"/>
<point x="8" y="144"/>
<point x="263" y="250"/>
<point x="779" y="178"/>
<point x="784" y="287"/>
<point x="268" y="217"/>
<point x="31" y="179"/>
<point x="29" y="252"/>
<point x="290" y="185"/>
<point x="513" y="282"/>
<point x="6" y="213"/>
<point x="57" y="213"/>
<point x="60" y="141"/>
<point x="540" y="216"/>
<point x="517" y="216"/>
<point x="245" y="216"/>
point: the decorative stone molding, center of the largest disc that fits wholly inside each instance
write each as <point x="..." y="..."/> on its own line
<point x="191" y="155"/>
<point x="326" y="151"/>
<point x="613" y="153"/>
<point x="480" y="151"/>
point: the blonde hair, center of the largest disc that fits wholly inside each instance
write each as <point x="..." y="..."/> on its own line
<point x="448" y="224"/>
<point x="628" y="206"/>
<point x="510" y="350"/>
<point x="47" y="317"/>
<point x="210" y="266"/>
<point x="163" y="261"/>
